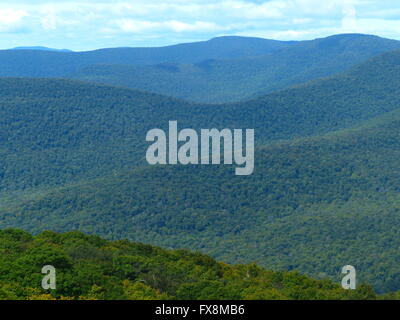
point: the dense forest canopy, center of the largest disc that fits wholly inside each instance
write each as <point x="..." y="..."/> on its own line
<point x="91" y="268"/>
<point x="45" y="63"/>
<point x="224" y="69"/>
<point x="221" y="81"/>
<point x="324" y="192"/>
<point x="61" y="131"/>
<point x="304" y="207"/>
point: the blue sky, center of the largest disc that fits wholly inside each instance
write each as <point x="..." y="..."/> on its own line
<point x="92" y="24"/>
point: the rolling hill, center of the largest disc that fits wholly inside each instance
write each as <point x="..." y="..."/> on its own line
<point x="91" y="268"/>
<point x="220" y="81"/>
<point x="39" y="63"/>
<point x="313" y="204"/>
<point x="221" y="70"/>
<point x="59" y="131"/>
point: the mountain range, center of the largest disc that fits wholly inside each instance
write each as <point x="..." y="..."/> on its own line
<point x="225" y="69"/>
<point x="44" y="63"/>
<point x="241" y="79"/>
<point x="324" y="191"/>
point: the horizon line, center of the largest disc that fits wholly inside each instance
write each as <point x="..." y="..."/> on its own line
<point x="66" y="50"/>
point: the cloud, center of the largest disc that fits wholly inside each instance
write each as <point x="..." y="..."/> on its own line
<point x="198" y="26"/>
<point x="89" y="24"/>
<point x="49" y="19"/>
<point x="138" y="26"/>
<point x="248" y="10"/>
<point x="349" y="21"/>
<point x="10" y="19"/>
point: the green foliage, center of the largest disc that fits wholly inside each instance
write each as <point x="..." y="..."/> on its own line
<point x="39" y="63"/>
<point x="71" y="159"/>
<point x="56" y="132"/>
<point x="224" y="69"/>
<point x="221" y="81"/>
<point x="304" y="208"/>
<point x="157" y="274"/>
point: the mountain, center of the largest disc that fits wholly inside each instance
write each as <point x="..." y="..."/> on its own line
<point x="71" y="158"/>
<point x="219" y="81"/>
<point x="221" y="70"/>
<point x="40" y="63"/>
<point x="312" y="205"/>
<point x="41" y="49"/>
<point x="89" y="130"/>
<point x="92" y="268"/>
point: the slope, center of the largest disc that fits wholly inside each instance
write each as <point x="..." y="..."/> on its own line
<point x="312" y="205"/>
<point x="39" y="63"/>
<point x="91" y="268"/>
<point x="219" y="81"/>
<point x="58" y="131"/>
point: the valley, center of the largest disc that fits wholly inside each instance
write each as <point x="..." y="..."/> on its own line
<point x="324" y="192"/>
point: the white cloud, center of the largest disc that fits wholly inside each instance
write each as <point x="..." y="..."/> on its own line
<point x="87" y="24"/>
<point x="49" y="19"/>
<point x="130" y="25"/>
<point x="291" y="34"/>
<point x="301" y="20"/>
<point x="248" y="10"/>
<point x="198" y="26"/>
<point x="11" y="18"/>
<point x="138" y="26"/>
<point x="349" y="20"/>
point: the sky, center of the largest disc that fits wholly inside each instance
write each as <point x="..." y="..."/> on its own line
<point x="91" y="24"/>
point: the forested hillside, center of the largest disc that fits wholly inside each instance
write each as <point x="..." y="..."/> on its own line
<point x="225" y="69"/>
<point x="312" y="205"/>
<point x="71" y="159"/>
<point x="91" y="268"/>
<point x="36" y="63"/>
<point x="60" y="131"/>
<point x="219" y="81"/>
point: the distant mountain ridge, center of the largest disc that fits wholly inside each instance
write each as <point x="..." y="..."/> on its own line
<point x="42" y="63"/>
<point x="220" y="81"/>
<point x="225" y="69"/>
